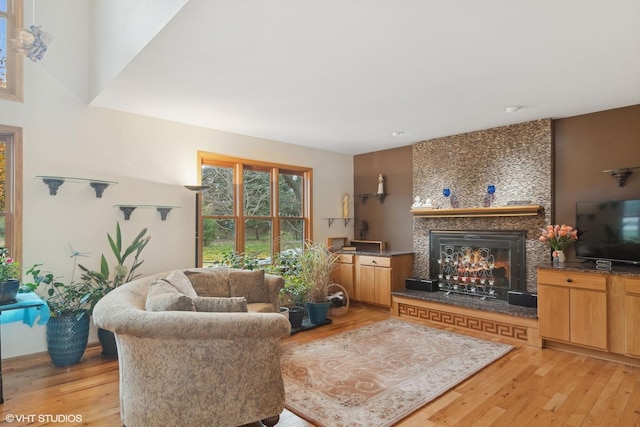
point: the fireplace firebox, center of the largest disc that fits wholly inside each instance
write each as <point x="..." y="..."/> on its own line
<point x="484" y="263"/>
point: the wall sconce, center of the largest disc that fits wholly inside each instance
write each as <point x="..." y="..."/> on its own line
<point x="621" y="174"/>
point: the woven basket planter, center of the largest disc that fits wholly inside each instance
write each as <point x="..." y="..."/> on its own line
<point x="342" y="310"/>
<point x="67" y="338"/>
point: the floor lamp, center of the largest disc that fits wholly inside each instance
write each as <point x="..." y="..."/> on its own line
<point x="198" y="190"/>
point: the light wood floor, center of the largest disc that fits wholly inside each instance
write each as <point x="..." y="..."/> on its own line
<point x="527" y="387"/>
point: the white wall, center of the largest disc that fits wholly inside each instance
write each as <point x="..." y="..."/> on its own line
<point x="150" y="159"/>
<point x="120" y="30"/>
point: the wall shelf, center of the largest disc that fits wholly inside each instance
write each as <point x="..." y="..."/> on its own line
<point x="346" y="221"/>
<point x="127" y="210"/>
<point x="54" y="183"/>
<point x="520" y="210"/>
<point x="364" y="197"/>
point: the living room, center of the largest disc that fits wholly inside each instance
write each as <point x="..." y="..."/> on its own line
<point x="152" y="159"/>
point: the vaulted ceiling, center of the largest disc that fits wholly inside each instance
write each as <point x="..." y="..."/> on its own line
<point x="344" y="75"/>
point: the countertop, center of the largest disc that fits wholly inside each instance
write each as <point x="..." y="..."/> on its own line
<point x="375" y="253"/>
<point x="590" y="267"/>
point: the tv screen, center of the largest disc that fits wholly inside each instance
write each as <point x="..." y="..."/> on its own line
<point x="609" y="230"/>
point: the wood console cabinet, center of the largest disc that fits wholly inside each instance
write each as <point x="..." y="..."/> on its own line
<point x="632" y="317"/>
<point x="376" y="276"/>
<point x="343" y="272"/>
<point x="572" y="307"/>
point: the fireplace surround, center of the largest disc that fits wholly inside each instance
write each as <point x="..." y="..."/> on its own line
<point x="483" y="263"/>
<point x="517" y="159"/>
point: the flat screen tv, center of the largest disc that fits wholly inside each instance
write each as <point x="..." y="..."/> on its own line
<point x="609" y="230"/>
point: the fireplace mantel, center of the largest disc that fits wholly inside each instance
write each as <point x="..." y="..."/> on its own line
<point x="512" y="210"/>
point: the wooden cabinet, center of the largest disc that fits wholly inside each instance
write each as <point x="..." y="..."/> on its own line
<point x="343" y="273"/>
<point x="377" y="276"/>
<point x="572" y="307"/>
<point x="632" y="317"/>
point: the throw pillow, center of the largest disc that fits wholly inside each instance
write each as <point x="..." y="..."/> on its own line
<point x="221" y="305"/>
<point x="209" y="282"/>
<point x="181" y="282"/>
<point x="162" y="296"/>
<point x="249" y="284"/>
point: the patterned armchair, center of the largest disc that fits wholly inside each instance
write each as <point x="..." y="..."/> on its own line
<point x="193" y="368"/>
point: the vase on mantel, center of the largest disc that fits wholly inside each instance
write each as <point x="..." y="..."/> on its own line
<point x="558" y="257"/>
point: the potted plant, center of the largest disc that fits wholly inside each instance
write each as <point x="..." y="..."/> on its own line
<point x="9" y="274"/>
<point x="293" y="293"/>
<point x="101" y="282"/>
<point x="68" y="326"/>
<point x="316" y="264"/>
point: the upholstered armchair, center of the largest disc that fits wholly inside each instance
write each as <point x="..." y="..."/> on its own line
<point x="192" y="368"/>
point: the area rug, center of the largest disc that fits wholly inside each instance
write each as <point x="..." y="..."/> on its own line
<point x="378" y="374"/>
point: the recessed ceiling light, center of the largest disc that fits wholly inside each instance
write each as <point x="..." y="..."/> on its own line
<point x="397" y="133"/>
<point x="512" y="108"/>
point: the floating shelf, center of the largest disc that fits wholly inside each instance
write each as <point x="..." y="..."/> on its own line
<point x="346" y="221"/>
<point x="127" y="210"/>
<point x="364" y="197"/>
<point x="54" y="182"/>
<point x="522" y="210"/>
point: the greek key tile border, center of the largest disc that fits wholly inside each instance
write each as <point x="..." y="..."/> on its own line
<point x="463" y="321"/>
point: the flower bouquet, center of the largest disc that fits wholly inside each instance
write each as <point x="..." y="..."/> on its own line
<point x="558" y="237"/>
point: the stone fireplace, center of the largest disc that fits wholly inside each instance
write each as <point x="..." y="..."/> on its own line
<point x="481" y="263"/>
<point x="516" y="159"/>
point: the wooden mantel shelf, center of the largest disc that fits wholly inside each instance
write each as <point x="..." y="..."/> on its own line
<point x="520" y="210"/>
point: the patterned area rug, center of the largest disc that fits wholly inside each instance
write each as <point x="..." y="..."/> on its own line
<point x="378" y="374"/>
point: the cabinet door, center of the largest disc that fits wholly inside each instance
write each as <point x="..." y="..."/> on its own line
<point x="383" y="286"/>
<point x="553" y="312"/>
<point x="632" y="317"/>
<point x="366" y="284"/>
<point x="343" y="275"/>
<point x="588" y="314"/>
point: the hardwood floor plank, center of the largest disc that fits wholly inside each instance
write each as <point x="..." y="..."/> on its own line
<point x="528" y="386"/>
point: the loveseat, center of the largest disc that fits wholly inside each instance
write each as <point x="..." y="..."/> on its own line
<point x="182" y="366"/>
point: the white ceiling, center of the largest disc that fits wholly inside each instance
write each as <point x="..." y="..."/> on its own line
<point x="342" y="75"/>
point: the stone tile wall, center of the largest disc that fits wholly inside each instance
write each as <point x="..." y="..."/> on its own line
<point x="517" y="159"/>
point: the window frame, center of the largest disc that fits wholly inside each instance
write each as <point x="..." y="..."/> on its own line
<point x="238" y="165"/>
<point x="12" y="137"/>
<point x="15" y="62"/>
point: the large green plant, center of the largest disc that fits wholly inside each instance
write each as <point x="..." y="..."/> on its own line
<point x="101" y="282"/>
<point x="63" y="299"/>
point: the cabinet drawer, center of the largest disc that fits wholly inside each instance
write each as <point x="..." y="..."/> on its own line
<point x="596" y="282"/>
<point x="632" y="286"/>
<point x="375" y="261"/>
<point x="345" y="259"/>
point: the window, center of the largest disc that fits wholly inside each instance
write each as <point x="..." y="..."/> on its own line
<point x="10" y="61"/>
<point x="11" y="190"/>
<point x="253" y="208"/>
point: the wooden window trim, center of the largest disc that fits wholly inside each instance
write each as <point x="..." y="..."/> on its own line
<point x="13" y="192"/>
<point x="15" y="62"/>
<point x="239" y="164"/>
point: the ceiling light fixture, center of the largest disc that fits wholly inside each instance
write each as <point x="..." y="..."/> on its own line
<point x="512" y="108"/>
<point x="397" y="133"/>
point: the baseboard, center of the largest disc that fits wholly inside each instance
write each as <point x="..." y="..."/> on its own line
<point x="41" y="357"/>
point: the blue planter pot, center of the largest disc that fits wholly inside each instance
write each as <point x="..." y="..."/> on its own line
<point x="8" y="291"/>
<point x="318" y="312"/>
<point x="67" y="338"/>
